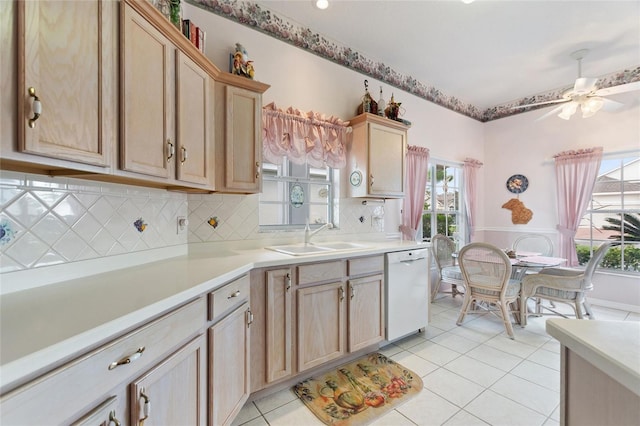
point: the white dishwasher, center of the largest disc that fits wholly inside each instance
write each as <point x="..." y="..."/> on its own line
<point x="407" y="292"/>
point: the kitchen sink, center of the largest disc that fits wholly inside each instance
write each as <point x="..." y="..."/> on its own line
<point x="299" y="249"/>
<point x="342" y="246"/>
<point x="304" y="249"/>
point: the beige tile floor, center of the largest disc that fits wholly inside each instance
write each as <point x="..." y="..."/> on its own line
<point x="473" y="374"/>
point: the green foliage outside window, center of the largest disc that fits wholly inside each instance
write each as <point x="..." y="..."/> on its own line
<point x="612" y="259"/>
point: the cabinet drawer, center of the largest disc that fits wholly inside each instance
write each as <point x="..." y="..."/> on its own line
<point x="228" y="297"/>
<point x="318" y="272"/>
<point x="62" y="393"/>
<point x="365" y="265"/>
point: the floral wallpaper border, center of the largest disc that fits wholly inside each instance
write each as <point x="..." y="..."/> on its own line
<point x="267" y="22"/>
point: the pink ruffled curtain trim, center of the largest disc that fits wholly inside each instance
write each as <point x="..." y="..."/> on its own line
<point x="470" y="170"/>
<point x="415" y="180"/>
<point x="576" y="173"/>
<point x="309" y="137"/>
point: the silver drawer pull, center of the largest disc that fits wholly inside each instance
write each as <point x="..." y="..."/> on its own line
<point x="234" y="294"/>
<point x="127" y="360"/>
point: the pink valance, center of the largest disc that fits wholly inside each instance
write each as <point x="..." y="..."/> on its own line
<point x="303" y="137"/>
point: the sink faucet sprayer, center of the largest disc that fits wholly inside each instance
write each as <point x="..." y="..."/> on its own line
<point x="308" y="233"/>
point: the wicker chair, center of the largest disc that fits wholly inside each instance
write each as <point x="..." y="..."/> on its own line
<point x="562" y="285"/>
<point x="535" y="243"/>
<point x="487" y="275"/>
<point x="443" y="248"/>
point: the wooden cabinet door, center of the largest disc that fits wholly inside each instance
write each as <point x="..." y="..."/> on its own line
<point x="65" y="54"/>
<point x="366" y="311"/>
<point x="278" y="324"/>
<point x="387" y="149"/>
<point x="228" y="366"/>
<point x="193" y="120"/>
<point x="242" y="140"/>
<point x="321" y="324"/>
<point x="174" y="391"/>
<point x="146" y="97"/>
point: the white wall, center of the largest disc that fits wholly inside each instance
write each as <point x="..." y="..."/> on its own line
<point x="522" y="145"/>
<point x="307" y="82"/>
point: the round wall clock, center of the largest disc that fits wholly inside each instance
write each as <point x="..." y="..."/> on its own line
<point x="356" y="178"/>
<point x="517" y="184"/>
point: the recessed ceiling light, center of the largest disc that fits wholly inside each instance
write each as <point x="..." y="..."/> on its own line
<point x="322" y="4"/>
<point x="467" y="1"/>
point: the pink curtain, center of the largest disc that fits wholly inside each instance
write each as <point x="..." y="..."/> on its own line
<point x="576" y="173"/>
<point x="415" y="182"/>
<point x="310" y="137"/>
<point x="470" y="170"/>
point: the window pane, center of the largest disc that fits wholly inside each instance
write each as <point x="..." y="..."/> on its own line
<point x="614" y="215"/>
<point x="293" y="194"/>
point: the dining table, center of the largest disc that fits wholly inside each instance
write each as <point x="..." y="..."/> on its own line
<point x="526" y="263"/>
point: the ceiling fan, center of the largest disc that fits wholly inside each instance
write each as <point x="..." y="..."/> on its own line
<point x="584" y="95"/>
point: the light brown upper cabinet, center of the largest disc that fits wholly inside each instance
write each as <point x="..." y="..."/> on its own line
<point x="376" y="157"/>
<point x="239" y="138"/>
<point x="67" y="83"/>
<point x="165" y="107"/>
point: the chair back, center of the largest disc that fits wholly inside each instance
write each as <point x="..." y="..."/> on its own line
<point x="484" y="267"/>
<point x="442" y="248"/>
<point x="594" y="262"/>
<point x="535" y="243"/>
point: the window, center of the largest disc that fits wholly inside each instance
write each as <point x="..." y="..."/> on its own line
<point x="614" y="214"/>
<point x="443" y="202"/>
<point x="294" y="193"/>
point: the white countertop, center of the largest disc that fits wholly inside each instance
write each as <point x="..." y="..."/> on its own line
<point x="46" y="326"/>
<point x="611" y="346"/>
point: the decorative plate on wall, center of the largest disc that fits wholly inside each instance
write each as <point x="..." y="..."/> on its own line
<point x="296" y="195"/>
<point x="517" y="184"/>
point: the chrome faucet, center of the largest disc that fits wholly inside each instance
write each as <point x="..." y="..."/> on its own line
<point x="308" y="233"/>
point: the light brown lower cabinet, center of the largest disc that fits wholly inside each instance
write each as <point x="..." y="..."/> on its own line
<point x="322" y="313"/>
<point x="167" y="357"/>
<point x="172" y="392"/>
<point x="273" y="329"/>
<point x="229" y="366"/>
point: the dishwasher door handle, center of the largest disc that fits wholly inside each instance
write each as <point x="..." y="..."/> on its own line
<point x="411" y="260"/>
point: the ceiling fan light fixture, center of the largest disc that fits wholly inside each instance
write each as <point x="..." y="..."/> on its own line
<point x="321" y="4"/>
<point x="568" y="110"/>
<point x="591" y="106"/>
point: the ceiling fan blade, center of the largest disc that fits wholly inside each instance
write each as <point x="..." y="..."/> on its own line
<point x="555" y="101"/>
<point x="610" y="105"/>
<point x="584" y="85"/>
<point x="629" y="87"/>
<point x="550" y="113"/>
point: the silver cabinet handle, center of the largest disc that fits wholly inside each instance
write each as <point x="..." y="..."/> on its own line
<point x="128" y="359"/>
<point x="234" y="294"/>
<point x="113" y="419"/>
<point x="257" y="170"/>
<point x="37" y="107"/>
<point x="288" y="277"/>
<point x="249" y="315"/>
<point x="184" y="154"/>
<point x="146" y="408"/>
<point x="341" y="290"/>
<point x="170" y="150"/>
<point x="371" y="180"/>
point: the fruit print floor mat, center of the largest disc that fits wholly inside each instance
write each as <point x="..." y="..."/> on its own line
<point x="359" y="392"/>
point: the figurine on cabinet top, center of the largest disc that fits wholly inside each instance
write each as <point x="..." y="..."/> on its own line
<point x="393" y="109"/>
<point x="240" y="63"/>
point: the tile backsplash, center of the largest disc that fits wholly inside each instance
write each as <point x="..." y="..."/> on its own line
<point x="55" y="220"/>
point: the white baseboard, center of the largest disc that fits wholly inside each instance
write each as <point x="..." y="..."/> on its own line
<point x="614" y="305"/>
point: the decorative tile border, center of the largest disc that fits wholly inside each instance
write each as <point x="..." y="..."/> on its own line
<point x="267" y="22"/>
